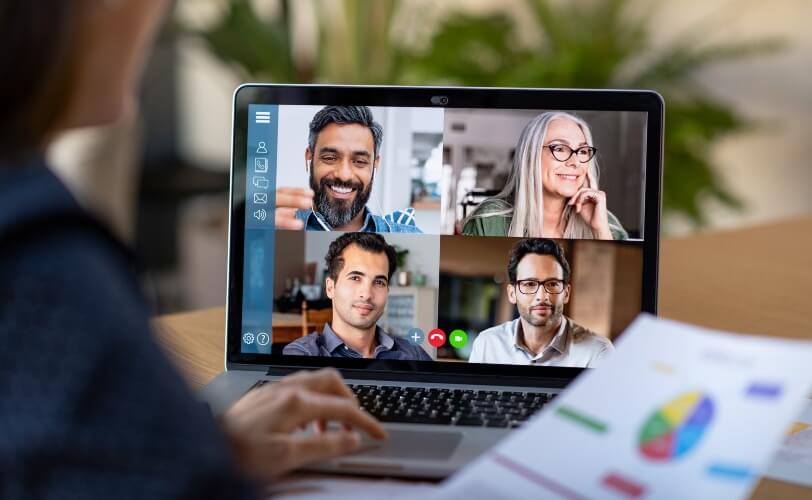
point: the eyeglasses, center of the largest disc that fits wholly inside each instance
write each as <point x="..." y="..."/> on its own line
<point x="530" y="287"/>
<point x="562" y="152"/>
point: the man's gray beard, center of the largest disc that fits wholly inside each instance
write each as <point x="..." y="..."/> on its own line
<point x="341" y="212"/>
<point x="336" y="214"/>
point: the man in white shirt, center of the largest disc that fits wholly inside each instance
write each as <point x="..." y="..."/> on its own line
<point x="539" y="286"/>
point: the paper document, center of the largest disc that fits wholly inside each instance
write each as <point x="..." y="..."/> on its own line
<point x="793" y="461"/>
<point x="676" y="412"/>
<point x="331" y="487"/>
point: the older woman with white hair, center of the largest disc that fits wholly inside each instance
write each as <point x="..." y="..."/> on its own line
<point x="552" y="190"/>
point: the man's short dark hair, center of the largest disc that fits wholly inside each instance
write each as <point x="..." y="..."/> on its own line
<point x="371" y="242"/>
<point x="539" y="246"/>
<point x="345" y="115"/>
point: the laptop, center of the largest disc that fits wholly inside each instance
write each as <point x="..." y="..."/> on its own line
<point x="524" y="226"/>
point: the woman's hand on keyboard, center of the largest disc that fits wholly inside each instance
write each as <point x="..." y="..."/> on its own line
<point x="262" y="426"/>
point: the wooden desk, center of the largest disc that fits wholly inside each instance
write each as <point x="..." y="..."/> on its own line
<point x="756" y="280"/>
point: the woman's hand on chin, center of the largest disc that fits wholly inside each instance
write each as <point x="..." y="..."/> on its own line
<point x="590" y="205"/>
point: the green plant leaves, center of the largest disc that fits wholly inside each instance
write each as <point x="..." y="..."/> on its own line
<point x="261" y="48"/>
<point x="595" y="44"/>
<point x="606" y="46"/>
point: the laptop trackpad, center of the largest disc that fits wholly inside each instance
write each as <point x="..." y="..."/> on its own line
<point x="414" y="445"/>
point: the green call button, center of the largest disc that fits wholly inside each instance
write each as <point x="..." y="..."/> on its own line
<point x="458" y="338"/>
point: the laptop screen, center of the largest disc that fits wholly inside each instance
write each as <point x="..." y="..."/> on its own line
<point x="442" y="235"/>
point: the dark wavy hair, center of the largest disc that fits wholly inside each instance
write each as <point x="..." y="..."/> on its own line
<point x="539" y="246"/>
<point x="37" y="64"/>
<point x="345" y="115"/>
<point x="371" y="242"/>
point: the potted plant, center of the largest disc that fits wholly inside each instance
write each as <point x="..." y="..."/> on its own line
<point x="404" y="277"/>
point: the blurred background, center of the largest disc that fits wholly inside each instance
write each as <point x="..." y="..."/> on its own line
<point x="734" y="74"/>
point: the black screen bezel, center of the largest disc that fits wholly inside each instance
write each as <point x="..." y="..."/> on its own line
<point x="456" y="97"/>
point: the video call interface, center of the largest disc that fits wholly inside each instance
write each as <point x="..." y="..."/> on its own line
<point x="499" y="236"/>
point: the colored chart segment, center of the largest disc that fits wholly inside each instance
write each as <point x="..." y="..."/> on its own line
<point x="581" y="418"/>
<point x="623" y="485"/>
<point x="676" y="427"/>
<point x="797" y="427"/>
<point x="730" y="471"/>
<point x="764" y="390"/>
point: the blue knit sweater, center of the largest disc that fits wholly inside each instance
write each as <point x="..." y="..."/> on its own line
<point x="89" y="405"/>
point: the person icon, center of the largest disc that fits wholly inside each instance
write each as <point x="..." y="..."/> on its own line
<point x="261" y="149"/>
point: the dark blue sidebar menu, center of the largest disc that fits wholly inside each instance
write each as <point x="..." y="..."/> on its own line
<point x="260" y="199"/>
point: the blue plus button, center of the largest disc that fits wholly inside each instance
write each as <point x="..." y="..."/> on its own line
<point x="416" y="335"/>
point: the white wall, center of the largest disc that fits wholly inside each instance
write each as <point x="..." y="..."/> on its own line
<point x="205" y="89"/>
<point x="768" y="167"/>
<point x="294" y="122"/>
<point x="399" y="125"/>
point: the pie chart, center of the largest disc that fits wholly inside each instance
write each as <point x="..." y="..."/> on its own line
<point x="676" y="427"/>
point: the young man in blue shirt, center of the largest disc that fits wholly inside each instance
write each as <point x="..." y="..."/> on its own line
<point x="359" y="267"/>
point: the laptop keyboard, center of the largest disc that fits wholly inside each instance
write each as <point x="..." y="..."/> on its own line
<point x="468" y="407"/>
<point x="441" y="406"/>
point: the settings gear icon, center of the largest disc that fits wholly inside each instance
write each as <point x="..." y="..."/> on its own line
<point x="248" y="338"/>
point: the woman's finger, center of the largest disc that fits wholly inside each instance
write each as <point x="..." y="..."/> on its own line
<point x="590" y="179"/>
<point x="304" y="406"/>
<point x="574" y="198"/>
<point x="311" y="448"/>
<point x="579" y="199"/>
<point x="324" y="381"/>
